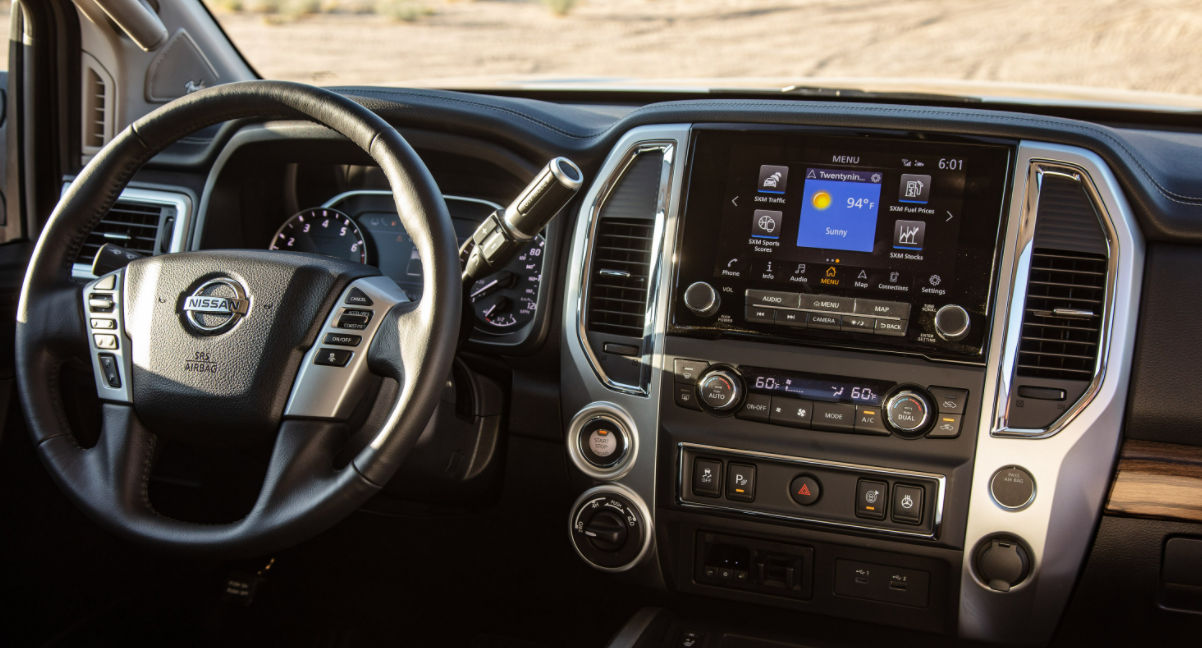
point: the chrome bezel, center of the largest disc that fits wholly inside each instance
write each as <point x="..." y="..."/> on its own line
<point x="639" y="504"/>
<point x="615" y="414"/>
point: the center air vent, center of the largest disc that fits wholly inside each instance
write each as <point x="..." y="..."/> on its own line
<point x="132" y="225"/>
<point x="1062" y="322"/>
<point x="622" y="262"/>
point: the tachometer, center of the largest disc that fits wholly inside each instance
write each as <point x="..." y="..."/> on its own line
<point x="506" y="301"/>
<point x="322" y="231"/>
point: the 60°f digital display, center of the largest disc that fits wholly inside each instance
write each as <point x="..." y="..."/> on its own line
<point x="820" y="387"/>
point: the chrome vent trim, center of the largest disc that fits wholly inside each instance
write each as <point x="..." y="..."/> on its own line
<point x="137" y="206"/>
<point x="1025" y="270"/>
<point x="666" y="148"/>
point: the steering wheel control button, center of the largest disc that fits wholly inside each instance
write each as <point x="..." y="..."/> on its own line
<point x="702" y="299"/>
<point x="354" y="319"/>
<point x="1013" y="488"/>
<point x="721" y="390"/>
<point x="342" y="339"/>
<point x="907" y="411"/>
<point x="907" y="504"/>
<point x="834" y="417"/>
<point x="108" y="282"/>
<point x="740" y="482"/>
<point x="333" y="357"/>
<point x="952" y="323"/>
<point x="603" y="442"/>
<point x="805" y="489"/>
<point x="871" y="498"/>
<point x="869" y="420"/>
<point x="106" y="324"/>
<point x="707" y="477"/>
<point x="757" y="407"/>
<point x="100" y="303"/>
<point x="688" y="371"/>
<point x="947" y="426"/>
<point x="792" y="412"/>
<point x="686" y="397"/>
<point x="105" y="341"/>
<point x="949" y="401"/>
<point x="357" y="297"/>
<point x="108" y="366"/>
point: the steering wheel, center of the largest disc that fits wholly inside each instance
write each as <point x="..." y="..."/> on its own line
<point x="228" y="348"/>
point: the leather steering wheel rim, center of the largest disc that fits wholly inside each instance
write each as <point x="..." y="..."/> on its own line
<point x="303" y="493"/>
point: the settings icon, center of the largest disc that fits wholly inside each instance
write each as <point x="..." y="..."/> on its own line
<point x="876" y="177"/>
<point x="935" y="280"/>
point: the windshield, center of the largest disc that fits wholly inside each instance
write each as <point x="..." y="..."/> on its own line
<point x="1129" y="52"/>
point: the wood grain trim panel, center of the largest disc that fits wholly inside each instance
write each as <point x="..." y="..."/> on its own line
<point x="1158" y="480"/>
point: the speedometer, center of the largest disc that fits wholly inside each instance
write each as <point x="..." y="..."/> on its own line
<point x="322" y="231"/>
<point x="506" y="301"/>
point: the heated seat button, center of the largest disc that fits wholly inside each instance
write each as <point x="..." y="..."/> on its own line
<point x="686" y="396"/>
<point x="834" y="417"/>
<point x="707" y="477"/>
<point x="333" y="357"/>
<point x="792" y="412"/>
<point x="870" y="421"/>
<point x="108" y="366"/>
<point x="870" y="499"/>
<point x="756" y="407"/>
<point x="907" y="504"/>
<point x="805" y="489"/>
<point x="342" y="339"/>
<point x="740" y="482"/>
<point x="357" y="297"/>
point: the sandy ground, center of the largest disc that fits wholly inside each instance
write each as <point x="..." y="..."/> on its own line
<point x="1152" y="45"/>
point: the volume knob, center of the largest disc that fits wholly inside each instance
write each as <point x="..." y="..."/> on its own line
<point x="702" y="299"/>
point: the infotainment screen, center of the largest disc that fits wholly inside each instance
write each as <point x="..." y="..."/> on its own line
<point x="870" y="235"/>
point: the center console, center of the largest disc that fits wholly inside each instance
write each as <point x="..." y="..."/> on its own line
<point x="817" y="410"/>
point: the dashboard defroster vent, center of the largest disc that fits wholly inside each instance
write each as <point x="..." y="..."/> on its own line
<point x="622" y="259"/>
<point x="1063" y="315"/>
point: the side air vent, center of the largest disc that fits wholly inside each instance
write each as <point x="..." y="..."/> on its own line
<point x="619" y="282"/>
<point x="96" y="111"/>
<point x="622" y="262"/>
<point x="1065" y="306"/>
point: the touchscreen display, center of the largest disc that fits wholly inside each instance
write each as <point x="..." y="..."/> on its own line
<point x="839" y="216"/>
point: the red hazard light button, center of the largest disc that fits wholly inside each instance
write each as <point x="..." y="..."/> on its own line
<point x="805" y="489"/>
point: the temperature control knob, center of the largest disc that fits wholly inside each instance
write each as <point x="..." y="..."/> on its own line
<point x="952" y="323"/>
<point x="908" y="412"/>
<point x="720" y="389"/>
<point x="702" y="299"/>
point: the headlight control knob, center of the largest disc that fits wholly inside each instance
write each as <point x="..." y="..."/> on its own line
<point x="908" y="411"/>
<point x="721" y="390"/>
<point x="702" y="299"/>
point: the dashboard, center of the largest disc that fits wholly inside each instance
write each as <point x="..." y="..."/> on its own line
<point x="866" y="364"/>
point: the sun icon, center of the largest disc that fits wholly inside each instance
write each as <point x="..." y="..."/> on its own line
<point x="821" y="200"/>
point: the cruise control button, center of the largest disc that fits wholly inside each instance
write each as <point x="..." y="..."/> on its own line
<point x="686" y="396"/>
<point x="824" y="321"/>
<point x="880" y="308"/>
<point x="947" y="426"/>
<point x="792" y="412"/>
<point x="760" y="315"/>
<point x="108" y="282"/>
<point x="740" y="482"/>
<point x="796" y="319"/>
<point x="357" y="297"/>
<point x="105" y="341"/>
<point x="834" y="417"/>
<point x="772" y="298"/>
<point x="104" y="323"/>
<point x="949" y="401"/>
<point x="757" y="407"/>
<point x="333" y="357"/>
<point x="833" y="304"/>
<point x="687" y="371"/>
<point x="870" y="499"/>
<point x="857" y="323"/>
<point x="891" y="327"/>
<point x="869" y="420"/>
<point x="907" y="504"/>
<point x="707" y="477"/>
<point x="805" y="489"/>
<point x="342" y="339"/>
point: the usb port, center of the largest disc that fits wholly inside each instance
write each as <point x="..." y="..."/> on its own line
<point x="861" y="579"/>
<point x="897" y="585"/>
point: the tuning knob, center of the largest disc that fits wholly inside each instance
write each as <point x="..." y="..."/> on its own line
<point x="702" y="299"/>
<point x="952" y="323"/>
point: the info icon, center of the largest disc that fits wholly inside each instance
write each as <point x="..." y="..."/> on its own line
<point x="773" y="179"/>
<point x="766" y="224"/>
<point x="915" y="189"/>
